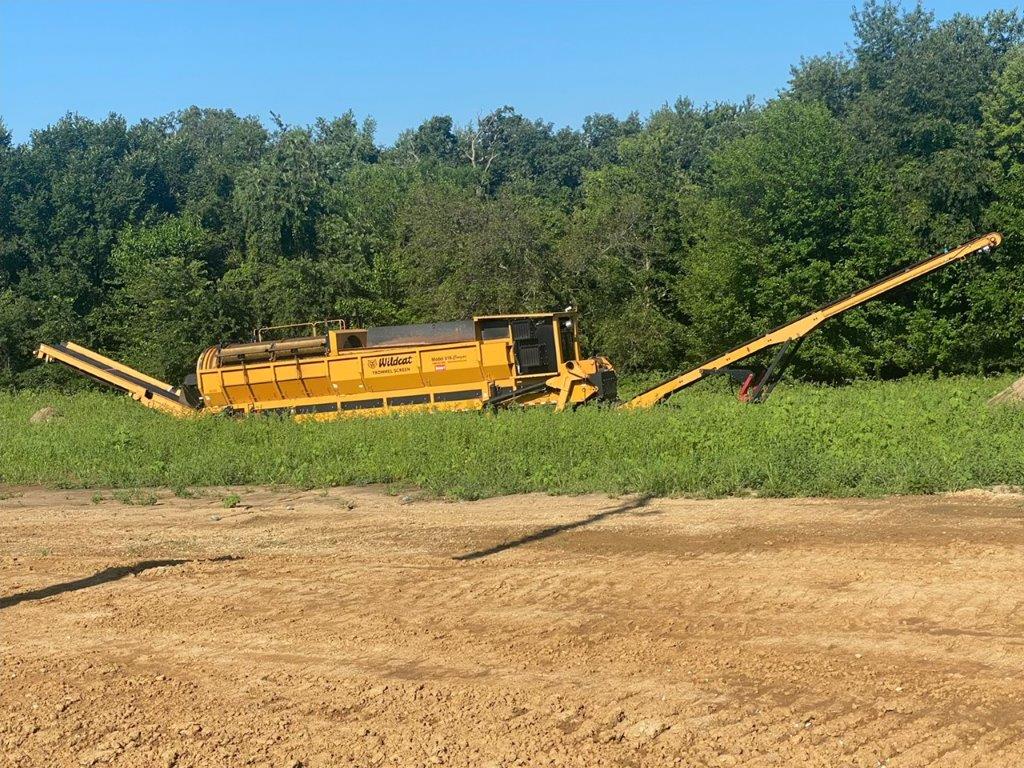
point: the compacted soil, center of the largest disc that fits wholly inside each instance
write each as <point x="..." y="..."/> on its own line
<point x="358" y="628"/>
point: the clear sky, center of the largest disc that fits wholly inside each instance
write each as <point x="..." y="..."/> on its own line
<point x="402" y="62"/>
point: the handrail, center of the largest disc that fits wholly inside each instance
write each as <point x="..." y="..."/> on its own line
<point x="338" y="323"/>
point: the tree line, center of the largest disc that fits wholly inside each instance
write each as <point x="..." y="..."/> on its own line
<point x="677" y="235"/>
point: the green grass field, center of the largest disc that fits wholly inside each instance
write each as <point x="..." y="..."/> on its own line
<point x="913" y="436"/>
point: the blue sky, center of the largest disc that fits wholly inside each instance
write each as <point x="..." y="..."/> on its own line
<point x="401" y="62"/>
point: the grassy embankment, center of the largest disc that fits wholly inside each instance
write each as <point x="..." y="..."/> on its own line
<point x="914" y="436"/>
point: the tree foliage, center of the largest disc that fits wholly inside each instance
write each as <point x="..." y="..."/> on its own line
<point x="678" y="235"/>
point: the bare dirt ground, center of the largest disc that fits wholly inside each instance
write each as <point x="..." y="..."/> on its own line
<point x="350" y="628"/>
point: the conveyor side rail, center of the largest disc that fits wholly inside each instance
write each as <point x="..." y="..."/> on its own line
<point x="151" y="392"/>
<point x="800" y="327"/>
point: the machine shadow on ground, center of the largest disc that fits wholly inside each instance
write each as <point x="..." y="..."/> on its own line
<point x="554" y="530"/>
<point x="105" y="576"/>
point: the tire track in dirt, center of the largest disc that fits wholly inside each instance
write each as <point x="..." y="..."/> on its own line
<point x="585" y="631"/>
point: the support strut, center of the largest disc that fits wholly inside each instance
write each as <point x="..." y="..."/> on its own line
<point x="800" y="327"/>
<point x="760" y="391"/>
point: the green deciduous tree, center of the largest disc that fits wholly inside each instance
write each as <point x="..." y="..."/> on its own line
<point x="161" y="312"/>
<point x="678" y="234"/>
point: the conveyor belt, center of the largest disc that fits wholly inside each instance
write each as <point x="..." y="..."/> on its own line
<point x="797" y="329"/>
<point x="147" y="390"/>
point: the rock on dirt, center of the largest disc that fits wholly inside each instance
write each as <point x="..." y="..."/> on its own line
<point x="1012" y="395"/>
<point x="645" y="730"/>
<point x="44" y="415"/>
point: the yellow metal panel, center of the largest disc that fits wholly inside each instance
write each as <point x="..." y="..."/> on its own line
<point x="261" y="382"/>
<point x="314" y="374"/>
<point x="496" y="359"/>
<point x="346" y="375"/>
<point x="453" y="365"/>
<point x="289" y="381"/>
<point x="209" y="384"/>
<point x="393" y="370"/>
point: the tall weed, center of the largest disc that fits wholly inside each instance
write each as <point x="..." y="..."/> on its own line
<point x="872" y="438"/>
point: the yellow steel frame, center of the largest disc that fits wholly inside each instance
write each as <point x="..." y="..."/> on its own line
<point x="804" y="325"/>
<point x="422" y="377"/>
<point x="149" y="391"/>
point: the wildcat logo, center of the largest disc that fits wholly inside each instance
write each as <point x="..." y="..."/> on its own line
<point x="389" y="362"/>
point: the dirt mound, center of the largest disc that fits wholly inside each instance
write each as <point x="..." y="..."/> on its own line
<point x="1012" y="395"/>
<point x="44" y="415"/>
